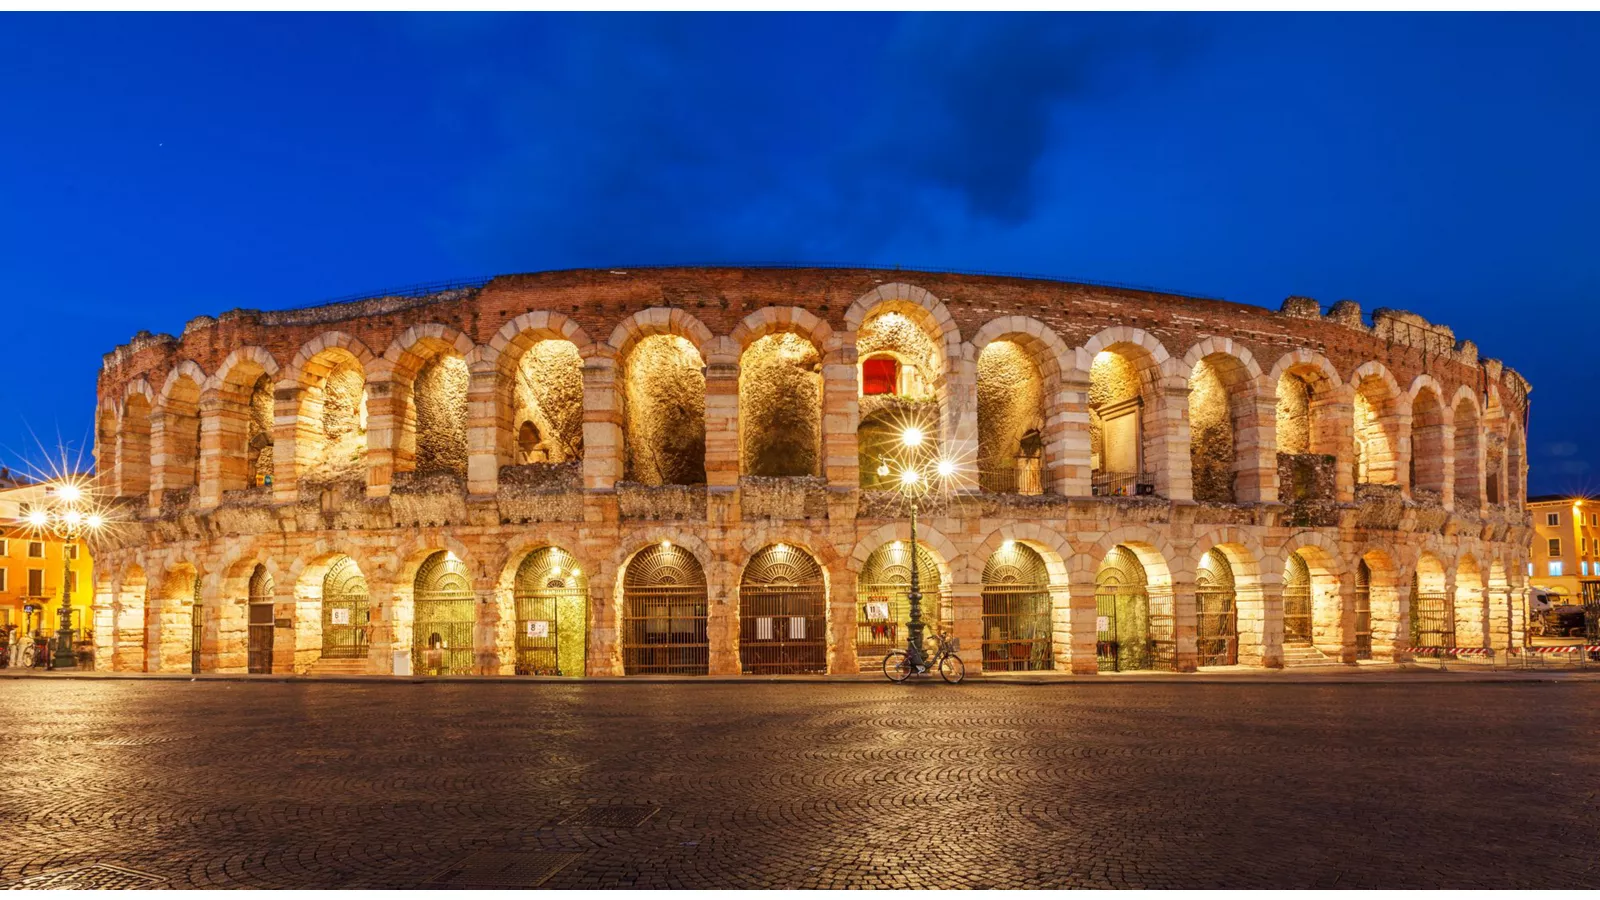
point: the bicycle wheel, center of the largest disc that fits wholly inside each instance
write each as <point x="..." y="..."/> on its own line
<point x="952" y="669"/>
<point x="896" y="667"/>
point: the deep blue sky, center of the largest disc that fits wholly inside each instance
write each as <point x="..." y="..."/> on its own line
<point x="158" y="167"/>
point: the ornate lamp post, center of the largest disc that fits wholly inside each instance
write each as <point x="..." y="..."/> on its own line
<point x="68" y="513"/>
<point x="916" y="479"/>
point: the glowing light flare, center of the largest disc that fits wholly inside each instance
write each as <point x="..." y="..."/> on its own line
<point x="912" y="436"/>
<point x="38" y="518"/>
<point x="69" y="492"/>
<point x="910" y="477"/>
<point x="72" y="517"/>
<point x="946" y="468"/>
<point x="95" y="520"/>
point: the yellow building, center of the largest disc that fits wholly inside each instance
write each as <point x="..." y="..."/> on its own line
<point x="1566" y="547"/>
<point x="31" y="566"/>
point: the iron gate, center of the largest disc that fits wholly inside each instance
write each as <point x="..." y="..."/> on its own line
<point x="345" y="612"/>
<point x="782" y="614"/>
<point x="1363" y="611"/>
<point x="552" y="600"/>
<point x="444" y="613"/>
<point x="664" y="614"/>
<point x="1430" y="617"/>
<point x="1016" y="611"/>
<point x="1216" y="612"/>
<point x="1122" y="613"/>
<point x="197" y="629"/>
<point x="882" y="598"/>
<point x="1297" y="627"/>
<point x="259" y="653"/>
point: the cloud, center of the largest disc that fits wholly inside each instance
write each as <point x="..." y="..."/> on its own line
<point x="689" y="139"/>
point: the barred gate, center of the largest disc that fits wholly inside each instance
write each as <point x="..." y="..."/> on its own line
<point x="1122" y="611"/>
<point x="197" y="628"/>
<point x="1017" y="624"/>
<point x="445" y="612"/>
<point x="260" y="635"/>
<point x="782" y="614"/>
<point x="1363" y="610"/>
<point x="1297" y="626"/>
<point x="1216" y="612"/>
<point x="664" y="614"/>
<point x="883" y="603"/>
<point x="551" y="595"/>
<point x="1431" y="624"/>
<point x="345" y="612"/>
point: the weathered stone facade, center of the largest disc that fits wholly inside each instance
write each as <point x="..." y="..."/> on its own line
<point x="637" y="441"/>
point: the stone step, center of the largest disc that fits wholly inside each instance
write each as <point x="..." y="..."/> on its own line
<point x="337" y="667"/>
<point x="1303" y="655"/>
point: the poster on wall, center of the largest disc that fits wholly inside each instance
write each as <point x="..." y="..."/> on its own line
<point x="1102" y="623"/>
<point x="539" y="628"/>
<point x="339" y="616"/>
<point x="877" y="612"/>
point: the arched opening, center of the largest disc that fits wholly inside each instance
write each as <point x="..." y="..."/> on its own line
<point x="1216" y="611"/>
<point x="444" y="611"/>
<point x="780" y="407"/>
<point x="1123" y="638"/>
<point x="1471" y="605"/>
<point x="783" y="613"/>
<point x="545" y="398"/>
<point x="259" y="637"/>
<point x="1117" y="430"/>
<point x="1494" y="451"/>
<point x="1468" y="454"/>
<point x="1219" y="402"/>
<point x="133" y="448"/>
<point x="1011" y="419"/>
<point x="175" y="624"/>
<point x="1313" y="616"/>
<point x="1516" y="477"/>
<point x="1017" y="616"/>
<point x="664" y="613"/>
<point x="433" y="440"/>
<point x="1307" y="434"/>
<point x="105" y="450"/>
<point x="1297" y="630"/>
<point x="1377" y="451"/>
<point x="1432" y="619"/>
<point x="883" y="602"/>
<point x="664" y="399"/>
<point x="1428" y="470"/>
<point x="128" y="635"/>
<point x="551" y="594"/>
<point x="180" y="443"/>
<point x="245" y="414"/>
<point x="346" y="613"/>
<point x="902" y="384"/>
<point x="1363" y="604"/>
<point x="331" y="430"/>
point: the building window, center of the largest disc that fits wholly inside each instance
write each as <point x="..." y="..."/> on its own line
<point x="1583" y="568"/>
<point x="1555" y="547"/>
<point x="36" y="549"/>
<point x="35" y="582"/>
<point x="72" y="551"/>
<point x="1555" y="568"/>
<point x="880" y="375"/>
<point x="1552" y="519"/>
<point x="1594" y="520"/>
<point x="1530" y="568"/>
<point x="5" y="547"/>
<point x="4" y="585"/>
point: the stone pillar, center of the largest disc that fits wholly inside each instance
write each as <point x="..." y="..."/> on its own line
<point x="291" y="435"/>
<point x="602" y="425"/>
<point x="385" y="415"/>
<point x="214" y="466"/>
<point x="172" y="469"/>
<point x="1333" y="615"/>
<point x="1255" y="446"/>
<point x="483" y="425"/>
<point x="1391" y="617"/>
<point x="283" y="638"/>
<point x="1260" y="610"/>
<point x="390" y="608"/>
<point x="605" y="619"/>
<point x="722" y="424"/>
<point x="841" y="416"/>
<point x="966" y="623"/>
<point x="1180" y="594"/>
<point x="486" y="651"/>
<point x="1068" y="450"/>
<point x="1332" y="414"/>
<point x="842" y="619"/>
<point x="961" y="402"/>
<point x="722" y="612"/>
<point x="1166" y="440"/>
<point x="1397" y="425"/>
<point x="229" y="615"/>
<point x="503" y="612"/>
<point x="306" y="616"/>
<point x="103" y="620"/>
<point x="1077" y="625"/>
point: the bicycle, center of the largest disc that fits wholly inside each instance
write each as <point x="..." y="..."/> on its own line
<point x="897" y="665"/>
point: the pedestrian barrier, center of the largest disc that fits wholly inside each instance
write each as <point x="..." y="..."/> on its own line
<point x="1472" y="655"/>
<point x="1570" y="655"/>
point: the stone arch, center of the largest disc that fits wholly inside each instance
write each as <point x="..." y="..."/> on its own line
<point x="329" y="376"/>
<point x="1310" y="418"/>
<point x="1471" y="604"/>
<point x="1432" y="439"/>
<point x="1325" y="628"/>
<point x="1516" y="465"/>
<point x="1229" y="445"/>
<point x="1387" y="607"/>
<point x="1055" y="552"/>
<point x="661" y="320"/>
<point x="1017" y="365"/>
<point x="449" y="626"/>
<point x="541" y="581"/>
<point x="105" y="447"/>
<point x="882" y="601"/>
<point x="905" y="338"/>
<point x="240" y="400"/>
<point x="785" y="320"/>
<point x="428" y="371"/>
<point x="134" y="448"/>
<point x="230" y="610"/>
<point x="1430" y="612"/>
<point x="1467" y="444"/>
<point x="783" y="611"/>
<point x="897" y="294"/>
<point x="170" y="633"/>
<point x="662" y="610"/>
<point x="1381" y="416"/>
<point x="1493" y="424"/>
<point x="1245" y="623"/>
<point x="175" y="427"/>
<point x="1140" y="630"/>
<point x="1137" y="431"/>
<point x="662" y="369"/>
<point x="781" y="405"/>
<point x="539" y="358"/>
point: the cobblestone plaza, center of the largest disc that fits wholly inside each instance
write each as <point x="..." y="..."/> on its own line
<point x="1407" y="783"/>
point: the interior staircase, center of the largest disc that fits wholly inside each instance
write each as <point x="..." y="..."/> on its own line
<point x="1295" y="655"/>
<point x="337" y="667"/>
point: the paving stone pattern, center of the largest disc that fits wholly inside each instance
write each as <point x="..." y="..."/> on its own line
<point x="273" y="785"/>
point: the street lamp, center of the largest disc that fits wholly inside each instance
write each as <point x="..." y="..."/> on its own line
<point x="917" y="477"/>
<point x="67" y="512"/>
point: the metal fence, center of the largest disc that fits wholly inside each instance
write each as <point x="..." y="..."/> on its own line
<point x="782" y="614"/>
<point x="664" y="614"/>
